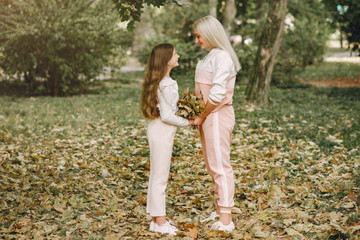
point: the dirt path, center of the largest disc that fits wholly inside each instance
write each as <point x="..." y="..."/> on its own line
<point x="336" y="82"/>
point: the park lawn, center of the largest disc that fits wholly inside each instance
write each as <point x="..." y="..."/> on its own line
<point x="78" y="167"/>
<point x="331" y="70"/>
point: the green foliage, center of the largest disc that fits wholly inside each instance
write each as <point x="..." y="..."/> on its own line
<point x="352" y="23"/>
<point x="330" y="70"/>
<point x="57" y="45"/>
<point x="178" y="24"/>
<point x="246" y="54"/>
<point x="252" y="15"/>
<point x="118" y="56"/>
<point x="302" y="46"/>
<point x="303" y="113"/>
<point x="348" y="21"/>
<point x="177" y="29"/>
<point x="189" y="53"/>
<point x="304" y="43"/>
<point x="131" y="10"/>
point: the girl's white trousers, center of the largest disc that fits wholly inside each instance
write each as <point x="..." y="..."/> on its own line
<point x="161" y="139"/>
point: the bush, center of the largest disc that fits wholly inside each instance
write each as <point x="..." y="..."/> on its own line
<point x="246" y="54"/>
<point x="57" y="46"/>
<point x="302" y="46"/>
<point x="177" y="21"/>
<point x="189" y="52"/>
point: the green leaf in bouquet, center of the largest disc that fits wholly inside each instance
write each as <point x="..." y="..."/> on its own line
<point x="183" y="113"/>
<point x="190" y="105"/>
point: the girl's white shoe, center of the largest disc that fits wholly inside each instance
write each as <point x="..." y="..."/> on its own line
<point x="212" y="216"/>
<point x="165" y="228"/>
<point x="152" y="226"/>
<point x="221" y="227"/>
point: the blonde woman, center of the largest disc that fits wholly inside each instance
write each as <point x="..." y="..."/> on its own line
<point x="215" y="80"/>
<point x="159" y="104"/>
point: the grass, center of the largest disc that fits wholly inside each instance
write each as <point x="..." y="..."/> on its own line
<point x="332" y="50"/>
<point x="312" y="114"/>
<point x="114" y="102"/>
<point x="325" y="116"/>
<point x="331" y="70"/>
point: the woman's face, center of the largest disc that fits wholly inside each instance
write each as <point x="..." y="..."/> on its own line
<point x="173" y="62"/>
<point x="203" y="43"/>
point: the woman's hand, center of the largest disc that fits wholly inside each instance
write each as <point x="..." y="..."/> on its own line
<point x="198" y="121"/>
<point x="191" y="122"/>
<point x="208" y="109"/>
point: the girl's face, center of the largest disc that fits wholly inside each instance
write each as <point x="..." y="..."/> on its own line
<point x="173" y="62"/>
<point x="203" y="43"/>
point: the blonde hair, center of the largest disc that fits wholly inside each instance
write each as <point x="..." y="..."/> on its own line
<point x="155" y="71"/>
<point x="212" y="30"/>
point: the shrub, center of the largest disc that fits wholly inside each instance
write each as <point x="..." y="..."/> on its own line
<point x="189" y="52"/>
<point x="246" y="54"/>
<point x="302" y="46"/>
<point x="61" y="44"/>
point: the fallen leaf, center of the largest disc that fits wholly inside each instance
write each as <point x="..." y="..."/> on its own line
<point x="192" y="233"/>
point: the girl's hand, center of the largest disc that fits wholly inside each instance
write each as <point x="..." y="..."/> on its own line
<point x="191" y="122"/>
<point x="198" y="121"/>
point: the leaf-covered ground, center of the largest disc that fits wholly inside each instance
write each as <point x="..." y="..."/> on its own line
<point x="77" y="168"/>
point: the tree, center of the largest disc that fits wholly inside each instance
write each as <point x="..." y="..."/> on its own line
<point x="131" y="10"/>
<point x="179" y="23"/>
<point x="143" y="32"/>
<point x="250" y="17"/>
<point x="259" y="84"/>
<point x="345" y="15"/>
<point x="57" y="45"/>
<point x="304" y="41"/>
<point x="229" y="15"/>
<point x="213" y="9"/>
<point x="352" y="23"/>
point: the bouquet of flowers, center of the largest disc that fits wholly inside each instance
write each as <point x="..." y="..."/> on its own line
<point x="190" y="105"/>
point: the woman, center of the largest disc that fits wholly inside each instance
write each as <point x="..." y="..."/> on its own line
<point x="215" y="80"/>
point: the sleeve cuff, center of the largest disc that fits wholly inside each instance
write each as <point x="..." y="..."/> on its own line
<point x="212" y="102"/>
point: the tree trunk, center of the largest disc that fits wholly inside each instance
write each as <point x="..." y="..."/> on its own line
<point x="213" y="4"/>
<point x="229" y="15"/>
<point x="29" y="81"/>
<point x="242" y="14"/>
<point x="53" y="81"/>
<point x="341" y="39"/>
<point x="257" y="90"/>
<point x="259" y="10"/>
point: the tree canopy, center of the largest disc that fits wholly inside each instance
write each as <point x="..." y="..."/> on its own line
<point x="57" y="45"/>
<point x="345" y="14"/>
<point x="131" y="10"/>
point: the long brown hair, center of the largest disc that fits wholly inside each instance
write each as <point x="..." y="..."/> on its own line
<point x="155" y="71"/>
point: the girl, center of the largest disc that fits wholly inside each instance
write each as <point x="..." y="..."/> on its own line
<point x="159" y="104"/>
<point x="215" y="80"/>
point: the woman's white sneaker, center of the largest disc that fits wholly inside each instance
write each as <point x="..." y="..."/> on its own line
<point x="165" y="228"/>
<point x="221" y="227"/>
